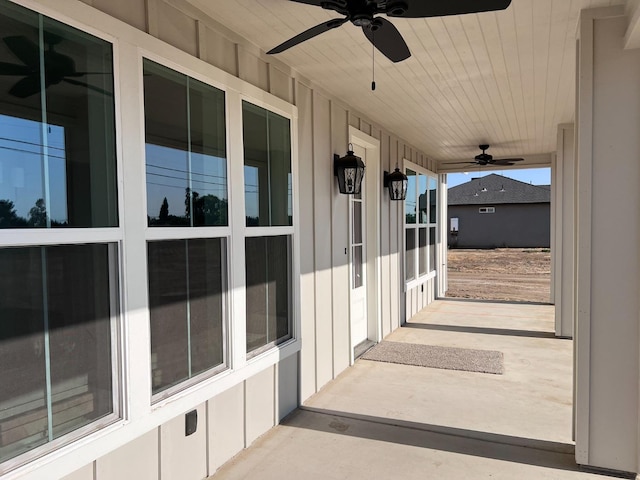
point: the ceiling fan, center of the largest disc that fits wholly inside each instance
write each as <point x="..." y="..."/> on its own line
<point x="57" y="66"/>
<point x="484" y="159"/>
<point x="380" y="31"/>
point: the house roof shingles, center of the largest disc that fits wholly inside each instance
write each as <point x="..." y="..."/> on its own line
<point x="514" y="192"/>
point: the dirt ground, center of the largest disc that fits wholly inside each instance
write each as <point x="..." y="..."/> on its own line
<point x="513" y="274"/>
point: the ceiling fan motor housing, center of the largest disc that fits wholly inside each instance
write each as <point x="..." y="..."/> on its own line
<point x="397" y="9"/>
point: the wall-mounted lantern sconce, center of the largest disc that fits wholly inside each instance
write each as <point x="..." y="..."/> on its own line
<point x="350" y="172"/>
<point x="396" y="182"/>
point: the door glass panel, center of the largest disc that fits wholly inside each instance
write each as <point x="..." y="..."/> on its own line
<point x="357" y="222"/>
<point x="358" y="279"/>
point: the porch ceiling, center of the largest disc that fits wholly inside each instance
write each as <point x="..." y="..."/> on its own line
<point x="504" y="78"/>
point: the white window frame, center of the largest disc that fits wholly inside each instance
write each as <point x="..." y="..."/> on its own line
<point x="43" y="237"/>
<point x="431" y="269"/>
<point x="153" y="233"/>
<point x="263" y="231"/>
<point x="138" y="413"/>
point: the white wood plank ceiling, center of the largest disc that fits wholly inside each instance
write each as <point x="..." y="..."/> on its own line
<point x="505" y="78"/>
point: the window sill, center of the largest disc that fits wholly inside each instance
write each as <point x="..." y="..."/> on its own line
<point x="420" y="281"/>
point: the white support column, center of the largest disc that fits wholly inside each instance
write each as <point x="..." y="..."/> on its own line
<point x="443" y="229"/>
<point x="607" y="332"/>
<point x="563" y="187"/>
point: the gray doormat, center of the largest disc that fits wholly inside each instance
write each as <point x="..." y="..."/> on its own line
<point x="450" y="358"/>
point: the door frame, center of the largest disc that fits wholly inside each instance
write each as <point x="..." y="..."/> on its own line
<point x="373" y="196"/>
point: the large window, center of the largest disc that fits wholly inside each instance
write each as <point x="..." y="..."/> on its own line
<point x="420" y="224"/>
<point x="268" y="204"/>
<point x="59" y="303"/>
<point x="186" y="169"/>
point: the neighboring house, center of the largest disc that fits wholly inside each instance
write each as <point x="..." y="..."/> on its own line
<point x="496" y="211"/>
<point x="178" y="269"/>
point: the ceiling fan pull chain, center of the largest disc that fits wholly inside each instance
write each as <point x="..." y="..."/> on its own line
<point x="373" y="59"/>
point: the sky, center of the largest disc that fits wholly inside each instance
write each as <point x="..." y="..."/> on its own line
<point x="535" y="176"/>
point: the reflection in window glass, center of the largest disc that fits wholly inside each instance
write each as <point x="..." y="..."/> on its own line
<point x="57" y="165"/>
<point x="267" y="160"/>
<point x="186" y="286"/>
<point x="185" y="150"/>
<point x="410" y="201"/>
<point x="268" y="286"/>
<point x="422" y="198"/>
<point x="433" y="200"/>
<point x="55" y="342"/>
<point x="410" y="254"/>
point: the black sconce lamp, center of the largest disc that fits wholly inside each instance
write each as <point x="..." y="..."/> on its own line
<point x="350" y="172"/>
<point x="396" y="182"/>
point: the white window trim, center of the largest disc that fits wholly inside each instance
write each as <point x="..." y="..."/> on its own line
<point x="44" y="237"/>
<point x="484" y="210"/>
<point x="431" y="274"/>
<point x="139" y="415"/>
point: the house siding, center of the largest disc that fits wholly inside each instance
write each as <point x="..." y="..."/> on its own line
<point x="233" y="419"/>
<point x="514" y="226"/>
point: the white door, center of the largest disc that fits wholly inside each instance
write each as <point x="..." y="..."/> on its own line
<point x="358" y="264"/>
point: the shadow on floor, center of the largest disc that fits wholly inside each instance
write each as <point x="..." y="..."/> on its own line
<point x="506" y="302"/>
<point x="528" y="451"/>
<point x="481" y="330"/>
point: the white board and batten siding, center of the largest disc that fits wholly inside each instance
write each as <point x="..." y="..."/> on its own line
<point x="247" y="408"/>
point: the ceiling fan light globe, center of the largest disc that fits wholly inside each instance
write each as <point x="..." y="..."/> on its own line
<point x="363" y="20"/>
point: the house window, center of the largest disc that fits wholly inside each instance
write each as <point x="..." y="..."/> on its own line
<point x="59" y="304"/>
<point x="268" y="211"/>
<point x="487" y="210"/>
<point x="420" y="224"/>
<point x="186" y="171"/>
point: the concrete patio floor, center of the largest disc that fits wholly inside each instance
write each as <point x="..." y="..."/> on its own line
<point x="388" y="421"/>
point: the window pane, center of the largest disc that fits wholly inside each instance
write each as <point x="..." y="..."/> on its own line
<point x="423" y="196"/>
<point x="410" y="201"/>
<point x="208" y="156"/>
<point x="410" y="254"/>
<point x="422" y="249"/>
<point x="57" y="166"/>
<point x="432" y="249"/>
<point x="186" y="309"/>
<point x="267" y="160"/>
<point x="206" y="303"/>
<point x="433" y="200"/>
<point x="268" y="291"/>
<point x="55" y="337"/>
<point x="185" y="150"/>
